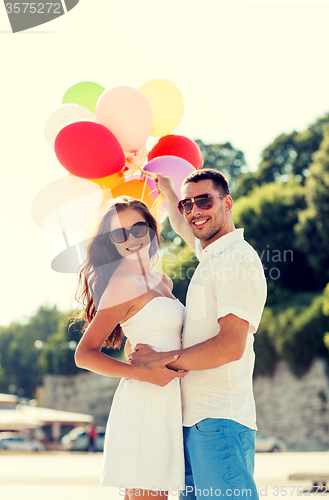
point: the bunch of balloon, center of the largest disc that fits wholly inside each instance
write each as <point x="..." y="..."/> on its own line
<point x="99" y="136"/>
<point x="93" y="134"/>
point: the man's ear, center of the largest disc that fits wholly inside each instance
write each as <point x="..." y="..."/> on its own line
<point x="228" y="203"/>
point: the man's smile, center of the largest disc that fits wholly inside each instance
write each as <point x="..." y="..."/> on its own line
<point x="200" y="222"/>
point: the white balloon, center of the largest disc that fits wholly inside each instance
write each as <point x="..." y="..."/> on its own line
<point x="126" y="112"/>
<point x="66" y="205"/>
<point x="62" y="116"/>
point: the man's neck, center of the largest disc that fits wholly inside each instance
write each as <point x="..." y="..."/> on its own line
<point x="225" y="230"/>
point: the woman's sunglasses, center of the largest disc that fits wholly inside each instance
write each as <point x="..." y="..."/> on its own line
<point x="121" y="234"/>
<point x="203" y="201"/>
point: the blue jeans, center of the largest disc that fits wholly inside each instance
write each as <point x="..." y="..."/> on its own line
<point x="219" y="460"/>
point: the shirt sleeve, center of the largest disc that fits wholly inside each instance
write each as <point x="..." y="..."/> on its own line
<point x="240" y="289"/>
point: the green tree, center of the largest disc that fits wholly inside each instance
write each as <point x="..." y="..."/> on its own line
<point x="313" y="227"/>
<point x="18" y="355"/>
<point x="225" y="158"/>
<point x="325" y="311"/>
<point x="66" y="331"/>
<point x="292" y="330"/>
<point x="288" y="157"/>
<point x="268" y="216"/>
<point x="179" y="262"/>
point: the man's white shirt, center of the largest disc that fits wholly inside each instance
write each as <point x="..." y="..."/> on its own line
<point x="228" y="280"/>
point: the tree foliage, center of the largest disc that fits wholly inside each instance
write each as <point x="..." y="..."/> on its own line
<point x="268" y="216"/>
<point x="313" y="227"/>
<point x="288" y="157"/>
<point x="294" y="331"/>
<point x="18" y="355"/>
<point x="225" y="158"/>
<point x="22" y="364"/>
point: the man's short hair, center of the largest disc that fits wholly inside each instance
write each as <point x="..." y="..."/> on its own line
<point x="219" y="179"/>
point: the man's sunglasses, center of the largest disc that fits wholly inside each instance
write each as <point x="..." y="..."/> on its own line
<point x="203" y="201"/>
<point x="121" y="234"/>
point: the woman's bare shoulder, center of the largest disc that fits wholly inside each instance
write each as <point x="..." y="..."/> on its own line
<point x="123" y="288"/>
<point x="165" y="279"/>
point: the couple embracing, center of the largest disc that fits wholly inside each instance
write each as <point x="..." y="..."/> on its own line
<point x="183" y="416"/>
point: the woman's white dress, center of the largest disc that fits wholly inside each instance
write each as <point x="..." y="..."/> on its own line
<point x="144" y="444"/>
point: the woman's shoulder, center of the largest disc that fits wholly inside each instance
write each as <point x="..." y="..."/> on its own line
<point x="122" y="288"/>
<point x="165" y="279"/>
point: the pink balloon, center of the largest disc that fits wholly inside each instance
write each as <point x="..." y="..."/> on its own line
<point x="170" y="166"/>
<point x="89" y="150"/>
<point x="127" y="113"/>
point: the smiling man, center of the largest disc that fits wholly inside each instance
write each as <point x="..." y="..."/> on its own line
<point x="224" y="304"/>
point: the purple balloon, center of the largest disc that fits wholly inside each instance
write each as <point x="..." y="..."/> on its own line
<point x="170" y="166"/>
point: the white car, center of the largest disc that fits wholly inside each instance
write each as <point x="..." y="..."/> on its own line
<point x="17" y="442"/>
<point x="268" y="443"/>
<point x="77" y="440"/>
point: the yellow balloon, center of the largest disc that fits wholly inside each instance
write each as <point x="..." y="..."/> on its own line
<point x="167" y="105"/>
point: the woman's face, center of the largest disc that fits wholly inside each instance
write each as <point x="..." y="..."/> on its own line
<point x="126" y="219"/>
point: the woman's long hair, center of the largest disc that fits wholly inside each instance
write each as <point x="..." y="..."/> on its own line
<point x="103" y="259"/>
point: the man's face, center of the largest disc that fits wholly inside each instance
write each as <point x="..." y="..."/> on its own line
<point x="207" y="225"/>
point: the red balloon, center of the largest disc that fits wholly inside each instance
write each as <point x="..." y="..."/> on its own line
<point x="177" y="145"/>
<point x="89" y="150"/>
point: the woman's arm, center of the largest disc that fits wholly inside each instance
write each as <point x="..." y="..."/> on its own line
<point x="128" y="349"/>
<point x="88" y="354"/>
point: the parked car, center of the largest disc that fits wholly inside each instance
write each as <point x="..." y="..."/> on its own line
<point x="77" y="439"/>
<point x="269" y="443"/>
<point x="18" y="442"/>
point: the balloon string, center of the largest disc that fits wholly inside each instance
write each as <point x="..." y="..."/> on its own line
<point x="144" y="186"/>
<point x="62" y="228"/>
<point x="143" y="272"/>
<point x="147" y="174"/>
<point x="156" y="207"/>
<point x="136" y="169"/>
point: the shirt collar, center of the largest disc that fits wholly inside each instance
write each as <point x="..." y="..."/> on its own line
<point x="218" y="246"/>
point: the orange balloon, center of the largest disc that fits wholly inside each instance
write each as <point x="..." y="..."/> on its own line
<point x="110" y="181"/>
<point x="136" y="188"/>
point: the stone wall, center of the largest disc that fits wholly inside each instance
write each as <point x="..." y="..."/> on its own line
<point x="293" y="409"/>
<point x="84" y="393"/>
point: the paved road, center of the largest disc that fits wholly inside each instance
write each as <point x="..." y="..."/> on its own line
<point x="69" y="476"/>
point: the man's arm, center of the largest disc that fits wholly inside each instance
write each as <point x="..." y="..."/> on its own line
<point x="227" y="346"/>
<point x="177" y="220"/>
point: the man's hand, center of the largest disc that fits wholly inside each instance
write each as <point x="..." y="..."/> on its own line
<point x="157" y="373"/>
<point x="144" y="354"/>
<point x="164" y="185"/>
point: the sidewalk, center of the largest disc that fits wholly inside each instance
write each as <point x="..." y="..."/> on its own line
<point x="70" y="476"/>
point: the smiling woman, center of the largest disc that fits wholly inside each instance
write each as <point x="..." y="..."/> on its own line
<point x="120" y="253"/>
<point x="123" y="296"/>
